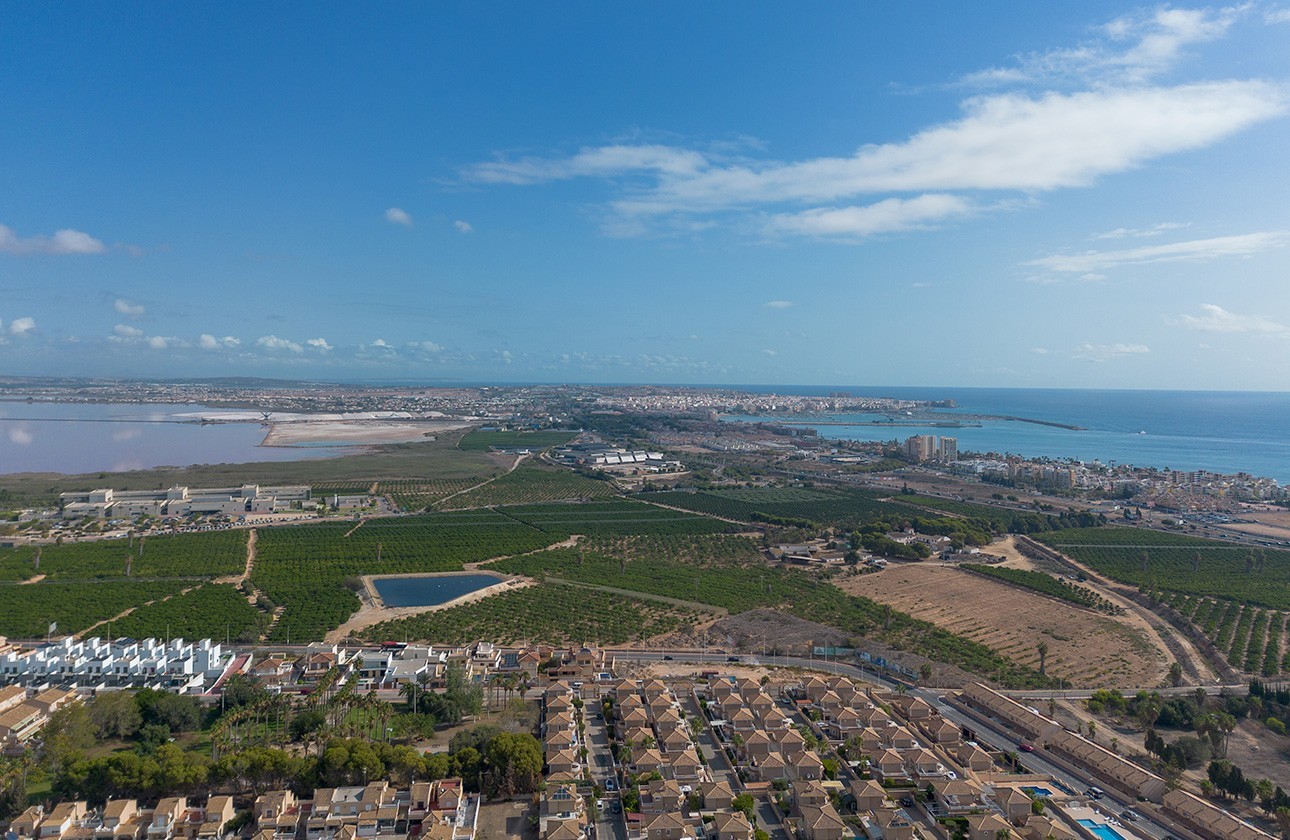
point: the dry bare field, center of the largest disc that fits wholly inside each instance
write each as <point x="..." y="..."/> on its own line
<point x="1089" y="649"/>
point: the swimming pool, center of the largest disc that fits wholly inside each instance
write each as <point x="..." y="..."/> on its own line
<point x="1041" y="792"/>
<point x="1102" y="830"/>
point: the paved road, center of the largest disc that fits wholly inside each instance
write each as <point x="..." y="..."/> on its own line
<point x="609" y="826"/>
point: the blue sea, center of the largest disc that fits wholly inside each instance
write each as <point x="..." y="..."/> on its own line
<point x="1220" y="431"/>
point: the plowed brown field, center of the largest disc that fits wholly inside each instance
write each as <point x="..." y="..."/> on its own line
<point x="1089" y="649"/>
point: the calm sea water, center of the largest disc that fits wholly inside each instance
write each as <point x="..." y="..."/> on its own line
<point x="1221" y="431"/>
<point x="73" y="438"/>
<point x="429" y="590"/>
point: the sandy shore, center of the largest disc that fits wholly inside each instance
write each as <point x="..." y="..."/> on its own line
<point x="356" y="432"/>
<point x="373" y="611"/>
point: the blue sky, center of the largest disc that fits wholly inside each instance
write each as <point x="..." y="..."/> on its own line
<point x="1082" y="195"/>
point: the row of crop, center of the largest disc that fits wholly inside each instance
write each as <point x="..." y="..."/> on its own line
<point x="1249" y="637"/>
<point x="549" y="613"/>
<point x="482" y="441"/>
<point x="849" y="507"/>
<point x="28" y="610"/>
<point x="611" y="518"/>
<point x="532" y="483"/>
<point x="733" y="587"/>
<point x="213" y="611"/>
<point x="416" y="495"/>
<point x="685" y="548"/>
<point x="306" y="569"/>
<point x="1048" y="585"/>
<point x="1240" y="637"/>
<point x="1007" y="520"/>
<point x="208" y="554"/>
<point x="1253" y="653"/>
<point x="1178" y="563"/>
<point x="737" y="587"/>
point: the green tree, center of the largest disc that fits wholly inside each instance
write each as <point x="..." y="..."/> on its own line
<point x="514" y="762"/>
<point x="70" y="732"/>
<point x="115" y="714"/>
<point x="1175" y="674"/>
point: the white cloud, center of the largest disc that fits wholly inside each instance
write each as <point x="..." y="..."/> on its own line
<point x="1140" y="233"/>
<point x="272" y="342"/>
<point x="1277" y="16"/>
<point x="1106" y="352"/>
<point x="1194" y="250"/>
<point x="505" y="356"/>
<point x="21" y="437"/>
<point x="210" y="342"/>
<point x="319" y="344"/>
<point x="778" y="304"/>
<point x="1005" y="141"/>
<point x="769" y="352"/>
<point x="463" y="227"/>
<point x="886" y="216"/>
<point x="1130" y="49"/>
<point x="399" y="217"/>
<point x="127" y="331"/>
<point x="22" y="326"/>
<point x="129" y="308"/>
<point x="1218" y="319"/>
<point x="426" y="346"/>
<point x="1039" y="351"/>
<point x="65" y="241"/>
<point x="163" y="342"/>
<point x="380" y="342"/>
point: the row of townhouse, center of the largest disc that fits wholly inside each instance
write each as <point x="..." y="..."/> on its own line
<point x="106" y="663"/>
<point x="439" y="810"/>
<point x="672" y="811"/>
<point x="23" y="716"/>
<point x="561" y="736"/>
<point x="1203" y="817"/>
<point x="649" y="718"/>
<point x="173" y="818"/>
<point x="761" y="732"/>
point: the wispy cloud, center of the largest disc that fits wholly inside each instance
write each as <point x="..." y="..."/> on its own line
<point x="398" y="216"/>
<point x="777" y="304"/>
<point x="463" y="227"/>
<point x="886" y="216"/>
<point x="1141" y="233"/>
<point x="1193" y="250"/>
<point x="1106" y="352"/>
<point x="1130" y="49"/>
<point x="1003" y="142"/>
<point x="319" y="344"/>
<point x="65" y="241"/>
<point x="1215" y="318"/>
<point x="128" y="308"/>
<point x="127" y="331"/>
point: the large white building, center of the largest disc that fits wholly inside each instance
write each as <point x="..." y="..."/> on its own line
<point x="178" y="665"/>
<point x="180" y="501"/>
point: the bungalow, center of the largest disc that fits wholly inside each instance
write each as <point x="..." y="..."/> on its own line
<point x="217" y="814"/>
<point x="686" y="767"/>
<point x="27" y="824"/>
<point x="973" y="758"/>
<point x="674" y="741"/>
<point x="889" y="764"/>
<point x="717" y="796"/>
<point x="120" y="820"/>
<point x="808" y="794"/>
<point x="868" y="795"/>
<point x="647" y="761"/>
<point x="277" y="811"/>
<point x="807" y="765"/>
<point x="62" y="818"/>
<point x="957" y="796"/>
<point x="1046" y="828"/>
<point x="895" y="824"/>
<point x="923" y="762"/>
<point x="757" y="746"/>
<point x="731" y="826"/>
<point x="772" y="767"/>
<point x="942" y="731"/>
<point x="666" y="826"/>
<point x="661" y="795"/>
<point x="1014" y="803"/>
<point x="988" y="827"/>
<point x="821" y="823"/>
<point x="563" y="763"/>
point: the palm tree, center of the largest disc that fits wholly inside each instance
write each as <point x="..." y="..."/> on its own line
<point x="1042" y="650"/>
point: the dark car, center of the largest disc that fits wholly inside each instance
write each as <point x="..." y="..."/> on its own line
<point x="907" y="802"/>
<point x="732" y="659"/>
<point x="667" y="657"/>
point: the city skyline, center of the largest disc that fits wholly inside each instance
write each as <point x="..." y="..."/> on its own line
<point x="1082" y="197"/>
